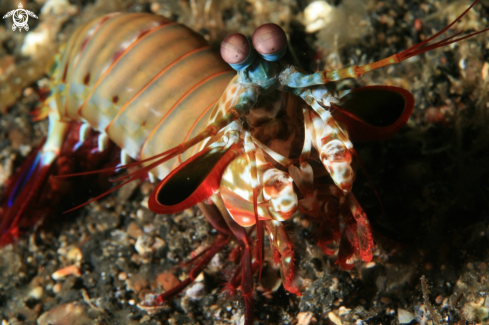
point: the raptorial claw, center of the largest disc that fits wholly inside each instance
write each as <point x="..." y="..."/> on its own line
<point x="356" y="237"/>
<point x="284" y="254"/>
<point x="348" y="244"/>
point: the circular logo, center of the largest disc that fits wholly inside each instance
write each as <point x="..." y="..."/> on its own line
<point x="20" y="18"/>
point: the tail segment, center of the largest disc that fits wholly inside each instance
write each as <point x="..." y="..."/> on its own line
<point x="34" y="193"/>
<point x="21" y="189"/>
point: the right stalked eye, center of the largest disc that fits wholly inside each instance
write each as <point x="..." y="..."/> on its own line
<point x="270" y="41"/>
<point x="236" y="51"/>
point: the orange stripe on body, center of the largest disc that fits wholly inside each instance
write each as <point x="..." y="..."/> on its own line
<point x="176" y="105"/>
<point x="151" y="81"/>
<point x="195" y="124"/>
<point x="83" y="47"/>
<point x="79" y="110"/>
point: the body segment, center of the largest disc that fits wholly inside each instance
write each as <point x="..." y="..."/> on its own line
<point x="143" y="84"/>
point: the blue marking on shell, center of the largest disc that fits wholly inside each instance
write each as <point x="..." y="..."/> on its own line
<point x="22" y="181"/>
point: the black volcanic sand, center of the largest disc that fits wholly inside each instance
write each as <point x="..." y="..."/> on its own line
<point x="431" y="257"/>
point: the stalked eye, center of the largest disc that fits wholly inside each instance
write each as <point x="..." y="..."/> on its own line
<point x="270" y="41"/>
<point x="235" y="48"/>
<point x="237" y="52"/>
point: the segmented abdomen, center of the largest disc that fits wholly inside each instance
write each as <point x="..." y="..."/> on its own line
<point x="146" y="81"/>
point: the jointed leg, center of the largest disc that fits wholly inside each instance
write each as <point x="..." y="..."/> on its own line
<point x="356" y="235"/>
<point x="247" y="270"/>
<point x="283" y="250"/>
<point x="215" y="219"/>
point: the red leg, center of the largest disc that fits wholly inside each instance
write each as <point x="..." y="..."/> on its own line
<point x="259" y="235"/>
<point x="327" y="221"/>
<point x="220" y="219"/>
<point x="348" y="244"/>
<point x="215" y="219"/>
<point x="283" y="249"/>
<point x="233" y="284"/>
<point x="365" y="241"/>
<point x="346" y="225"/>
<point x="328" y="232"/>
<point x="247" y="270"/>
<point x="356" y="238"/>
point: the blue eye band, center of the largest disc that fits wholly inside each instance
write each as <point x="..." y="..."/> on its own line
<point x="243" y="65"/>
<point x="275" y="56"/>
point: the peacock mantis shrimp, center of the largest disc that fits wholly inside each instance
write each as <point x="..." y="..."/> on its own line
<point x="234" y="170"/>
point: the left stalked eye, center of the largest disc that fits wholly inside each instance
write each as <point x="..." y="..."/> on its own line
<point x="237" y="52"/>
<point x="235" y="48"/>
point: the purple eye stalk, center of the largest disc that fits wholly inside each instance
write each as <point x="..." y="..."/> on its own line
<point x="237" y="52"/>
<point x="270" y="41"/>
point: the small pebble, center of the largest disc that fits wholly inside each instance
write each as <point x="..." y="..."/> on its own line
<point x="196" y="291"/>
<point x="167" y="280"/>
<point x="145" y="319"/>
<point x="16" y="137"/>
<point x="28" y="91"/>
<point x="385" y="300"/>
<point x="143" y="244"/>
<point x="149" y="228"/>
<point x="305" y="318"/>
<point x="122" y="276"/>
<point x="446" y="303"/>
<point x="483" y="266"/>
<point x="217" y="262"/>
<point x="335" y="319"/>
<point x="136" y="283"/>
<point x="64" y="272"/>
<point x="74" y="254"/>
<point x="439" y="299"/>
<point x="71" y="313"/>
<point x="36" y="293"/>
<point x="485" y="71"/>
<point x="199" y="277"/>
<point x="155" y="7"/>
<point x="133" y="230"/>
<point x="418" y="24"/>
<point x="404" y="316"/>
<point x="343" y="311"/>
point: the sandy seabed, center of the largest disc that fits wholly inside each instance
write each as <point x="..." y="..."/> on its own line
<point x="431" y="255"/>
